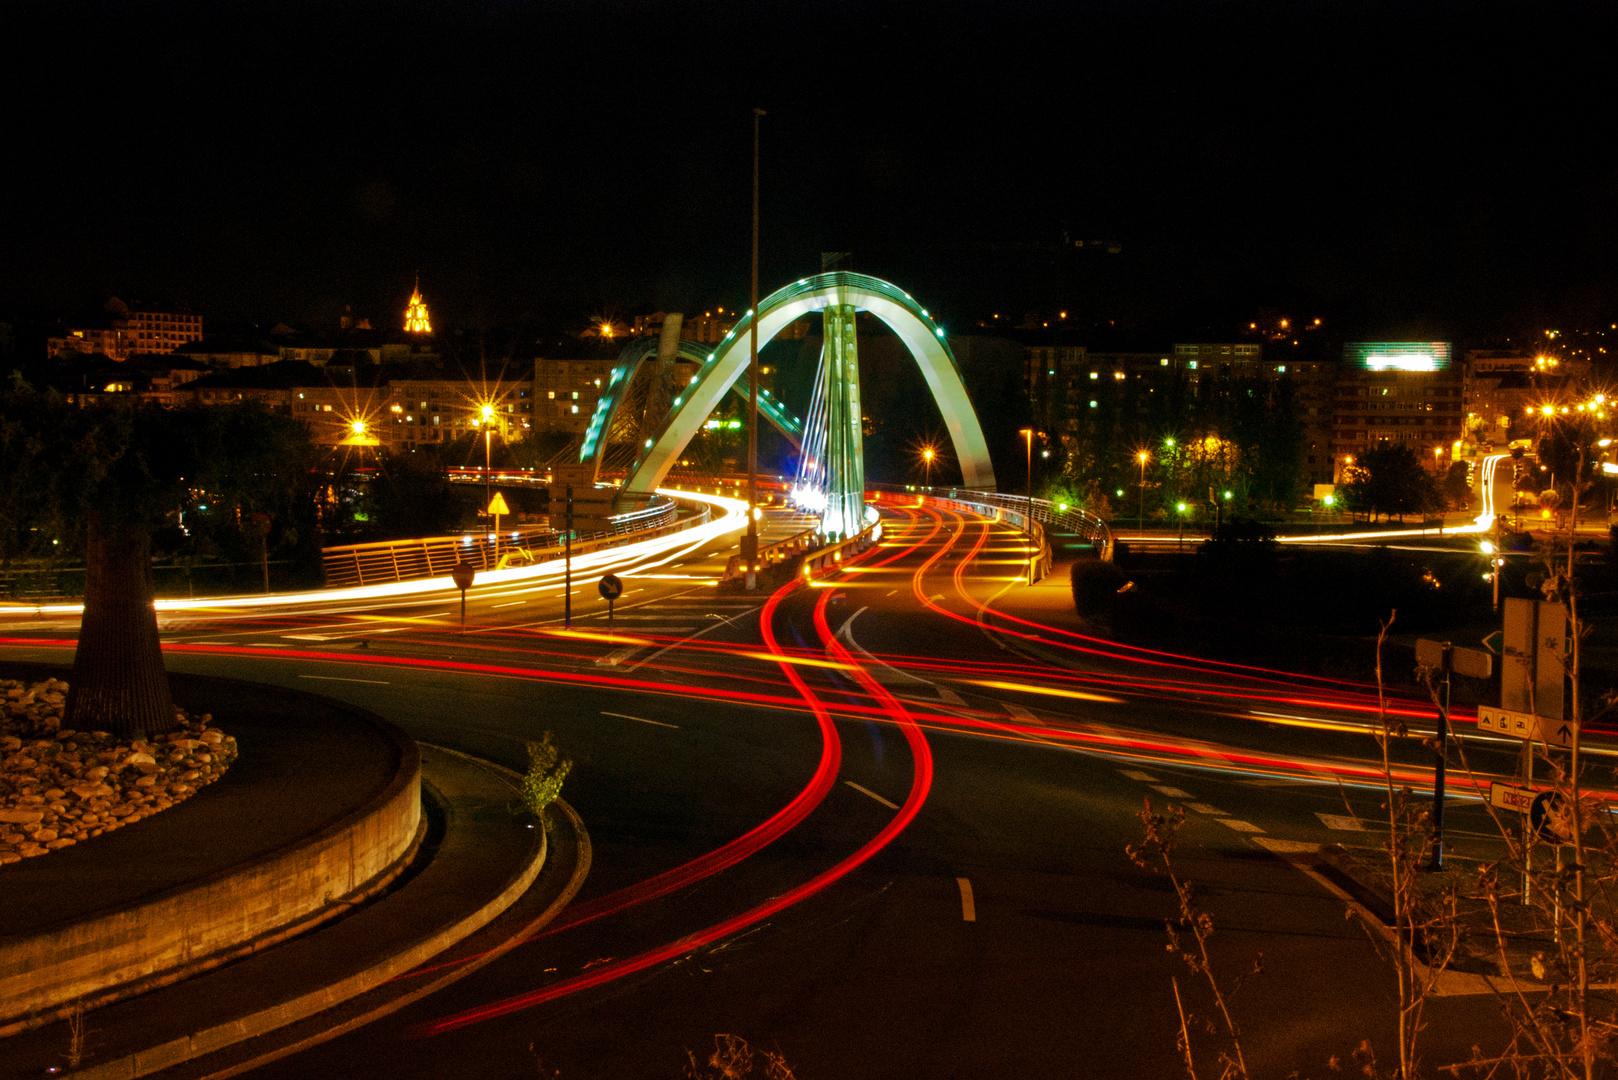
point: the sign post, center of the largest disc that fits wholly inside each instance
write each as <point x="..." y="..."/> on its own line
<point x="611" y="589"/>
<point x="497" y="506"/>
<point x="1444" y="657"/>
<point x="462" y="573"/>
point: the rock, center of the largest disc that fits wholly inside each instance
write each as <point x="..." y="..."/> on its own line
<point x="146" y="781"/>
<point x="61" y="842"/>
<point x="97" y="773"/>
<point x="64" y="734"/>
<point x="21" y="817"/>
<point x="188" y="744"/>
<point x="140" y="758"/>
<point x="54" y="793"/>
<point x="44" y="836"/>
<point x="91" y="791"/>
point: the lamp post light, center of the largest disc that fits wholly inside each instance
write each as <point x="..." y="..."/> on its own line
<point x="1140" y="523"/>
<point x="927" y="456"/>
<point x="1180" y="507"/>
<point x="488" y="433"/>
<point x="1028" y="434"/>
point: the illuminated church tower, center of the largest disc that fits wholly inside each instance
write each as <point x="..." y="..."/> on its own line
<point x="416" y="314"/>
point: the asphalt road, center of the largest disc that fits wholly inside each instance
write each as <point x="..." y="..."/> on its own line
<point x="873" y="825"/>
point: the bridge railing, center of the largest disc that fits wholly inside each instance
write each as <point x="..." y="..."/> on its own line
<point x="349" y="565"/>
<point x="1071" y="519"/>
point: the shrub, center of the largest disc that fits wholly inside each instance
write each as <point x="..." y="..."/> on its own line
<point x="542" y="784"/>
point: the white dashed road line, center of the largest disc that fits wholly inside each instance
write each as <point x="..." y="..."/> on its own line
<point x="1136" y="774"/>
<point x="1172" y="792"/>
<point x="872" y="794"/>
<point x="641" y="719"/>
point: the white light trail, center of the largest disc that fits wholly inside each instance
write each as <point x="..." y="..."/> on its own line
<point x="733" y="519"/>
<point x="1482" y="523"/>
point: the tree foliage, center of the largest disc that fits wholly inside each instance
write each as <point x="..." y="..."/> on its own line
<point x="1389" y="479"/>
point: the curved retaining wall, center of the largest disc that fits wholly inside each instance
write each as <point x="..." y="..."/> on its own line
<point x="211" y="920"/>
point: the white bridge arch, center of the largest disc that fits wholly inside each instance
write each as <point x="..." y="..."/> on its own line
<point x="727" y="363"/>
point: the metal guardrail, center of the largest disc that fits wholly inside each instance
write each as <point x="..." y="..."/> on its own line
<point x="1073" y="519"/>
<point x="407" y="560"/>
<point x="1039" y="565"/>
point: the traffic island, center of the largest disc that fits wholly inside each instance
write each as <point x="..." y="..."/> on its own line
<point x="59" y="787"/>
<point x="322" y="809"/>
<point x="476" y="878"/>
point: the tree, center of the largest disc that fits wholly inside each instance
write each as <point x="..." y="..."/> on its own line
<point x="102" y="479"/>
<point x="1458" y="485"/>
<point x="1389" y="479"/>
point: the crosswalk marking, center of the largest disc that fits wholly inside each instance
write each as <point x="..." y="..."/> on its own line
<point x="1340" y="822"/>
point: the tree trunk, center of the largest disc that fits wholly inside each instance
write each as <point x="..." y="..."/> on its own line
<point x="118" y="682"/>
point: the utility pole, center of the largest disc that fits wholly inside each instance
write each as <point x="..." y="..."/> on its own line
<point x="750" y="541"/>
<point x="567" y="565"/>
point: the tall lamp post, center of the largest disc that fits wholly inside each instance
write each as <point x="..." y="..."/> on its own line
<point x="927" y="456"/>
<point x="750" y="544"/>
<point x="1028" y="434"/>
<point x="1140" y="523"/>
<point x="488" y="434"/>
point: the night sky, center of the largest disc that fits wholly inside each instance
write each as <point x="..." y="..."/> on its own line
<point x="1421" y="169"/>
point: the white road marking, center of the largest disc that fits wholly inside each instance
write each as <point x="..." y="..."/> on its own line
<point x="642" y="719"/>
<point x="334" y="678"/>
<point x="268" y="644"/>
<point x="1204" y="808"/>
<point x="1340" y="822"/>
<point x="948" y="696"/>
<point x="872" y="794"/>
<point x="1240" y="826"/>
<point x="618" y="656"/>
<point x="513" y="603"/>
<point x="969" y="907"/>
<point x="1023" y="714"/>
<point x="1136" y="774"/>
<point x="1172" y="792"/>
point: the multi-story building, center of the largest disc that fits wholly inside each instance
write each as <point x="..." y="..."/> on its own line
<point x="1397" y="392"/>
<point x="1501" y="388"/>
<point x="157" y="328"/>
<point x="127" y="330"/>
<point x="566" y="391"/>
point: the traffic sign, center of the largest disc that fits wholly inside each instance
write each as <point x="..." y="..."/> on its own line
<point x="1495" y="642"/>
<point x="462" y="573"/>
<point x="1511" y="797"/>
<point x="610" y="587"/>
<point x="497" y="505"/>
<point x="1522" y="725"/>
<point x="1543" y="814"/>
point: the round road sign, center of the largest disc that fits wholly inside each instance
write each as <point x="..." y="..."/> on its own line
<point x="463" y="573"/>
<point x="1542" y="817"/>
<point x="611" y="588"/>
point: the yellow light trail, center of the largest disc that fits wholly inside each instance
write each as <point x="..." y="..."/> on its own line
<point x="1048" y="691"/>
<point x="802" y="661"/>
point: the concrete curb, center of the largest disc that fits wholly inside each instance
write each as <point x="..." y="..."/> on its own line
<point x="265" y="1021"/>
<point x="192" y="904"/>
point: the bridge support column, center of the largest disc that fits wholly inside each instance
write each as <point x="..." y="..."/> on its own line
<point x="845" y="443"/>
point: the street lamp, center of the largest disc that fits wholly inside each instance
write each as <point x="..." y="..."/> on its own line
<point x="1143" y="457"/>
<point x="927" y="455"/>
<point x="488" y="434"/>
<point x="1028" y="433"/>
<point x="1180" y="507"/>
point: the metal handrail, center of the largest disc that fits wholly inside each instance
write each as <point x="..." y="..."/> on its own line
<point x="434" y="556"/>
<point x="1074" y="519"/>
